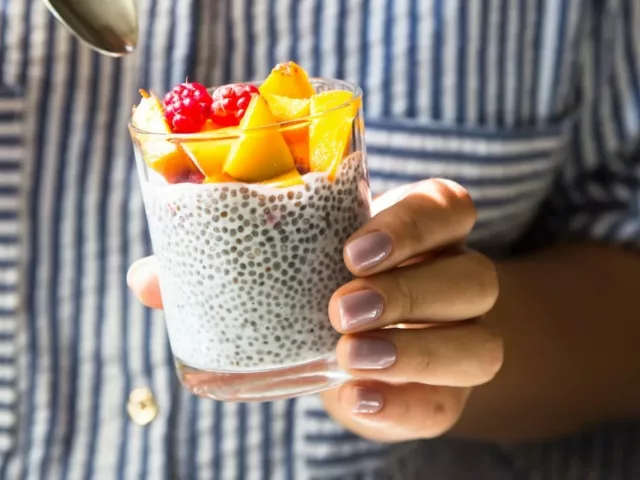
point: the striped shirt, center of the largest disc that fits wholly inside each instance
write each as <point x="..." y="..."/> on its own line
<point x="533" y="105"/>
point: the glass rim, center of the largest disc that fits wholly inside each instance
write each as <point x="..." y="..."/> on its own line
<point x="223" y="133"/>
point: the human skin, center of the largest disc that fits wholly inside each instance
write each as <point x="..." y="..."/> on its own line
<point x="436" y="375"/>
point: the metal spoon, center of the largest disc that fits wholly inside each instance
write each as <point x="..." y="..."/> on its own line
<point x="110" y="27"/>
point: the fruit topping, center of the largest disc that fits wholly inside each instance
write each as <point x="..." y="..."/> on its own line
<point x="296" y="134"/>
<point x="230" y="103"/>
<point x="186" y="107"/>
<point x="285" y="109"/>
<point x="271" y="135"/>
<point x="262" y="153"/>
<point x="196" y="177"/>
<point x="289" y="80"/>
<point x="296" y="137"/>
<point x="219" y="178"/>
<point x="342" y="102"/>
<point x="165" y="157"/>
<point x="288" y="179"/>
<point x="210" y="153"/>
<point x="330" y="132"/>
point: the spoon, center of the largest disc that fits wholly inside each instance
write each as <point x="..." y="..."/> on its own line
<point x="109" y="27"/>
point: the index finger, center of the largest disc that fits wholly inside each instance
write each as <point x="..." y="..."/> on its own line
<point x="428" y="216"/>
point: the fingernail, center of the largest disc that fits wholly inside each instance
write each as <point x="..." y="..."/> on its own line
<point x="369" y="250"/>
<point x="359" y="309"/>
<point x="367" y="401"/>
<point x="371" y="353"/>
<point x="139" y="270"/>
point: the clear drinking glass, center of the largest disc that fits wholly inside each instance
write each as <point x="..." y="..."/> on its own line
<point x="246" y="270"/>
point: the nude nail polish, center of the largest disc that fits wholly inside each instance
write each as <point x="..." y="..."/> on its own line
<point x="367" y="401"/>
<point x="371" y="353"/>
<point x="369" y="250"/>
<point x="359" y="309"/>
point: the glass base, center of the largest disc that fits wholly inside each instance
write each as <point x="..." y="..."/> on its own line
<point x="262" y="386"/>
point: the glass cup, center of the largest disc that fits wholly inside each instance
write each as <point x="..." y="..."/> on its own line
<point x="246" y="270"/>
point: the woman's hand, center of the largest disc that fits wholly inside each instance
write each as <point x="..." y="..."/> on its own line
<point x="413" y="337"/>
<point x="414" y="272"/>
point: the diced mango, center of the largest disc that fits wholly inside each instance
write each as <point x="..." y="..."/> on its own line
<point x="296" y="135"/>
<point x="297" y="138"/>
<point x="289" y="80"/>
<point x="259" y="154"/>
<point x="257" y="115"/>
<point x="165" y="157"/>
<point x="288" y="179"/>
<point x="285" y="109"/>
<point x="330" y="132"/>
<point x="211" y="154"/>
<point x="219" y="178"/>
<point x="148" y="115"/>
<point x="328" y="144"/>
<point x="324" y="101"/>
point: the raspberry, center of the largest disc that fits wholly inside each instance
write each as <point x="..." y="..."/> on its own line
<point x="186" y="107"/>
<point x="230" y="102"/>
<point x="196" y="177"/>
<point x="186" y="177"/>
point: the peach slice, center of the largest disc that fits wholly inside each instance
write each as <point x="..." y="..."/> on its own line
<point x="210" y="154"/>
<point x="330" y="132"/>
<point x="289" y="80"/>
<point x="262" y="153"/>
<point x="288" y="179"/>
<point x="165" y="157"/>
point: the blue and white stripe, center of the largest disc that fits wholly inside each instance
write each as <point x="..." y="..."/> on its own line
<point x="11" y="154"/>
<point x="533" y="105"/>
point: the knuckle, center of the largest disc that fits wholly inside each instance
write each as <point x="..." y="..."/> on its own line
<point x="493" y="355"/>
<point x="412" y="220"/>
<point x="446" y="195"/>
<point x="405" y="296"/>
<point x="455" y="195"/>
<point x="487" y="284"/>
<point x="422" y="363"/>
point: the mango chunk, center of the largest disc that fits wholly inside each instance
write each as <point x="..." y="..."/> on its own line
<point x="330" y="132"/>
<point x="211" y="154"/>
<point x="260" y="154"/>
<point x="165" y="157"/>
<point x="289" y="80"/>
<point x="219" y="178"/>
<point x="288" y="179"/>
<point x="297" y="138"/>
<point x="325" y="101"/>
<point x="285" y="109"/>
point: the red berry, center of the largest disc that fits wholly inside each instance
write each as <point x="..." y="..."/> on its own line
<point x="186" y="107"/>
<point x="186" y="176"/>
<point x="196" y="177"/>
<point x="230" y="102"/>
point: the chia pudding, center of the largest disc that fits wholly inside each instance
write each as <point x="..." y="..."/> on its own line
<point x="247" y="270"/>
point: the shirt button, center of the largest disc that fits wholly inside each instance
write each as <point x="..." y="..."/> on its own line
<point x="142" y="407"/>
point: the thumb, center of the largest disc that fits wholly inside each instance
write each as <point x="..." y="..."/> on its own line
<point x="142" y="279"/>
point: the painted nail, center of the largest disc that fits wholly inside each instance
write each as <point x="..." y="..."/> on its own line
<point x="369" y="250"/>
<point x="371" y="353"/>
<point x="367" y="401"/>
<point x="359" y="309"/>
